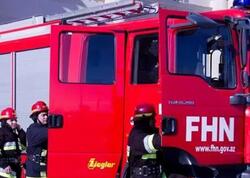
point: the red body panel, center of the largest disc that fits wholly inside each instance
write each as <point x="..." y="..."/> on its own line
<point x="247" y="136"/>
<point x="22" y="45"/>
<point x="185" y="97"/>
<point x="78" y="103"/>
<point x="96" y="118"/>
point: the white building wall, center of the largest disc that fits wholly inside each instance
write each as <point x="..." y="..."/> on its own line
<point x="215" y="4"/>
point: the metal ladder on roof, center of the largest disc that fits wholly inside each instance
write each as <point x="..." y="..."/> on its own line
<point x="121" y="10"/>
<point x="107" y="13"/>
<point x="104" y="14"/>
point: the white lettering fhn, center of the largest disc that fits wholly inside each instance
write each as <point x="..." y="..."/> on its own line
<point x="217" y="127"/>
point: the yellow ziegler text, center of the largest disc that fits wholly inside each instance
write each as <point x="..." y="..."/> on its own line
<point x="93" y="163"/>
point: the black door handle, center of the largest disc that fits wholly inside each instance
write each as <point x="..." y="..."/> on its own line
<point x="169" y="126"/>
<point x="55" y="121"/>
<point x="238" y="99"/>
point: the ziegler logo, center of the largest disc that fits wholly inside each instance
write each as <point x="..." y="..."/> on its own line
<point x="93" y="163"/>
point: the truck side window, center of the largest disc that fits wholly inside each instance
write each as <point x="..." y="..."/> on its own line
<point x="145" y="59"/>
<point x="6" y="81"/>
<point x="207" y="53"/>
<point x="87" y="58"/>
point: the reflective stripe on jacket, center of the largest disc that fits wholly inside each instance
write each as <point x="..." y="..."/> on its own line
<point x="11" y="142"/>
<point x="148" y="144"/>
<point x="12" y="174"/>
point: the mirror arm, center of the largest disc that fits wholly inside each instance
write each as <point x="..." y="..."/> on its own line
<point x="243" y="25"/>
<point x="243" y="47"/>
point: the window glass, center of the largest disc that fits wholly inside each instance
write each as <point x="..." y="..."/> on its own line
<point x="32" y="81"/>
<point x="87" y="58"/>
<point x="145" y="59"/>
<point x="6" y="81"/>
<point x="207" y="53"/>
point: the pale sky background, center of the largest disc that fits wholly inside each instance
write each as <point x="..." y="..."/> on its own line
<point x="12" y="10"/>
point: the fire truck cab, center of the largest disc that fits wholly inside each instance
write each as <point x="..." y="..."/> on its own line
<point x="94" y="70"/>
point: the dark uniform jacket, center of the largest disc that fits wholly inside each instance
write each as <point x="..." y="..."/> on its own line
<point x="37" y="138"/>
<point x="12" y="142"/>
<point x="143" y="144"/>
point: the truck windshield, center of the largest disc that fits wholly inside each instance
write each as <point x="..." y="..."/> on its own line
<point x="207" y="53"/>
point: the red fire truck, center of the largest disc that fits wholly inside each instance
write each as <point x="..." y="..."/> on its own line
<point x="95" y="66"/>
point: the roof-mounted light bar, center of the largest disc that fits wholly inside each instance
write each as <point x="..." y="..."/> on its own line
<point x="241" y="4"/>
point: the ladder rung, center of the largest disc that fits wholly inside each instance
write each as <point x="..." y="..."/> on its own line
<point x="92" y="19"/>
<point x="120" y="13"/>
<point x="106" y="16"/>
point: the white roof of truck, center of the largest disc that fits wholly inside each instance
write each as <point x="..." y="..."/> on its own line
<point x="108" y="11"/>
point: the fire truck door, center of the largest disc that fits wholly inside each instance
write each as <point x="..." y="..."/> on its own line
<point x="86" y="96"/>
<point x="142" y="76"/>
<point x="199" y="75"/>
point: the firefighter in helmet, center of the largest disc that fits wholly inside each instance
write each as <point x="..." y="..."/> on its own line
<point x="37" y="139"/>
<point x="12" y="143"/>
<point x="143" y="143"/>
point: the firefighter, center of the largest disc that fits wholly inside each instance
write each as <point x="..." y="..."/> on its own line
<point x="37" y="139"/>
<point x="143" y="143"/>
<point x="12" y="143"/>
